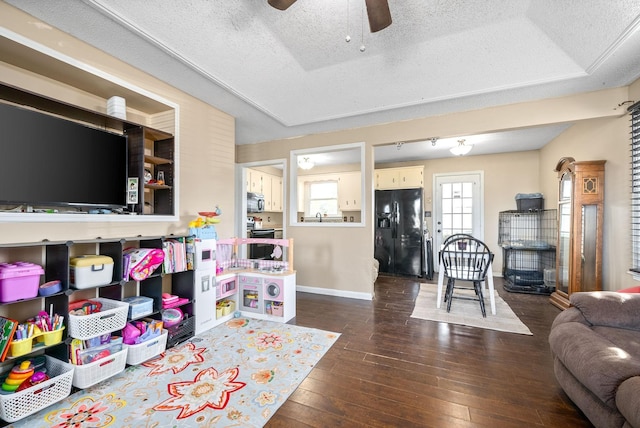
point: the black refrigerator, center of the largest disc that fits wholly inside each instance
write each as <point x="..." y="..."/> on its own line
<point x="399" y="231"/>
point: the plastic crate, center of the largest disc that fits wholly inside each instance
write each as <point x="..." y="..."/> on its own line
<point x="24" y="403"/>
<point x="112" y="317"/>
<point x="87" y="375"/>
<point x="143" y="351"/>
<point x="182" y="331"/>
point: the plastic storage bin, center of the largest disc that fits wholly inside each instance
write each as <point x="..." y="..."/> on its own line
<point x="112" y="317"/>
<point x="139" y="306"/>
<point x="87" y="375"/>
<point x="90" y="271"/>
<point x="143" y="351"/>
<point x="19" y="280"/>
<point x="24" y="346"/>
<point x="529" y="201"/>
<point x="18" y="405"/>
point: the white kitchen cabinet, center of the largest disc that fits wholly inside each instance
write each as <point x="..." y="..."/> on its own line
<point x="399" y="178"/>
<point x="276" y="193"/>
<point x="268" y="185"/>
<point x="349" y="191"/>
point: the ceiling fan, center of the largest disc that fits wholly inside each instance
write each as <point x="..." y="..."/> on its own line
<point x="377" y="11"/>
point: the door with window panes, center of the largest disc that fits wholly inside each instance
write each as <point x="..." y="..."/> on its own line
<point x="457" y="207"/>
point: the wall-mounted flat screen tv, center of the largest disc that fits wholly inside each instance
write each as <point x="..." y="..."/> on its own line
<point x="50" y="161"/>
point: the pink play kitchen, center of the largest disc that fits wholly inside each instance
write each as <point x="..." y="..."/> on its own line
<point x="257" y="288"/>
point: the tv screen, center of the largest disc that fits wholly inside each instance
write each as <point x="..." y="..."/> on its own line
<point x="49" y="161"/>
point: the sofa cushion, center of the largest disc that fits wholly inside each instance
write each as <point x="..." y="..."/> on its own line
<point x="609" y="308"/>
<point x="627" y="400"/>
<point x="595" y="361"/>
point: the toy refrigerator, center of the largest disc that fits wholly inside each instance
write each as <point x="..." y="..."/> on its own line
<point x="205" y="284"/>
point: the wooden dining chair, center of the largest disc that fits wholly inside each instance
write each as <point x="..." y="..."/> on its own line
<point x="465" y="259"/>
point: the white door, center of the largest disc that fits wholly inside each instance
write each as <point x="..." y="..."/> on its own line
<point x="457" y="207"/>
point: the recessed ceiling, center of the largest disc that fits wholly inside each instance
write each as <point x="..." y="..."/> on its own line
<point x="289" y="73"/>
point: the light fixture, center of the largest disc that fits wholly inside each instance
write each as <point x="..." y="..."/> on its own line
<point x="461" y="149"/>
<point x="305" y="163"/>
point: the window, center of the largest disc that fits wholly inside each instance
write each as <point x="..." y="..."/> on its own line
<point x="323" y="199"/>
<point x="338" y="191"/>
<point x="635" y="185"/>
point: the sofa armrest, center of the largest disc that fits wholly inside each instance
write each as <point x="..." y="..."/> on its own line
<point x="569" y="315"/>
<point x="609" y="308"/>
<point x="627" y="400"/>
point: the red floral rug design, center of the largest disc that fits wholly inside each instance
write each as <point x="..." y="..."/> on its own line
<point x="208" y="389"/>
<point x="175" y="359"/>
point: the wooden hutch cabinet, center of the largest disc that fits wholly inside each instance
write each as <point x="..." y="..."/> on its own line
<point x="580" y="222"/>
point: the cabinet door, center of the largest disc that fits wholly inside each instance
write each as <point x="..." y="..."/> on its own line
<point x="349" y="194"/>
<point x="276" y="193"/>
<point x="255" y="181"/>
<point x="387" y="178"/>
<point x="411" y="177"/>
<point x="266" y="180"/>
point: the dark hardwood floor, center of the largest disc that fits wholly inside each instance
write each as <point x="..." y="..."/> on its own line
<point x="390" y="370"/>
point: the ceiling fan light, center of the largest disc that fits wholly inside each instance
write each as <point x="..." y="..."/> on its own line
<point x="281" y="4"/>
<point x="379" y="14"/>
<point x="305" y="163"/>
<point x="461" y="149"/>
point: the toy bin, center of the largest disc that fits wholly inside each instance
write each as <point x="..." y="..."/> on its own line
<point x="141" y="352"/>
<point x="112" y="317"/>
<point x="277" y="310"/>
<point x="21" y="347"/>
<point x="139" y="306"/>
<point x="51" y="337"/>
<point x="19" y="280"/>
<point x="20" y="404"/>
<point x="90" y="271"/>
<point x="87" y="375"/>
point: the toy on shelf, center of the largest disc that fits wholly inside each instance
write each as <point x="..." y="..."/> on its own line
<point x="172" y="301"/>
<point x="203" y="227"/>
<point x="19" y="374"/>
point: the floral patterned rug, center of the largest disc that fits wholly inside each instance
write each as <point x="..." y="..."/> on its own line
<point x="236" y="374"/>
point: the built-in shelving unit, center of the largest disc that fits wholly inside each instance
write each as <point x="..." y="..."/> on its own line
<point x="149" y="148"/>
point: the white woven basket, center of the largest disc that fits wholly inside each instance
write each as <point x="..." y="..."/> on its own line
<point x="112" y="317"/>
<point x="24" y="403"/>
<point x="87" y="375"/>
<point x="143" y="351"/>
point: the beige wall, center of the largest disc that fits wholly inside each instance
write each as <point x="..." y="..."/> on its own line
<point x="601" y="139"/>
<point x="207" y="154"/>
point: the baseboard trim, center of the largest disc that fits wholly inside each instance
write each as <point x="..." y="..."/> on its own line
<point x="333" y="292"/>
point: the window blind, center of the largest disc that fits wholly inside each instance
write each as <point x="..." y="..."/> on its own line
<point x="635" y="185"/>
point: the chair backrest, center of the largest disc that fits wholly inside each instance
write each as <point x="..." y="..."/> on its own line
<point x="466" y="258"/>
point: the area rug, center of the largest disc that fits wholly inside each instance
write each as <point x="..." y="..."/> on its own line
<point x="236" y="374"/>
<point x="467" y="312"/>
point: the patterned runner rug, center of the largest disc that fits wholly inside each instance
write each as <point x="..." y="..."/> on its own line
<point x="467" y="312"/>
<point x="236" y="374"/>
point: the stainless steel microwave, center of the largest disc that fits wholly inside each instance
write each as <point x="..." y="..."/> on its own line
<point x="255" y="202"/>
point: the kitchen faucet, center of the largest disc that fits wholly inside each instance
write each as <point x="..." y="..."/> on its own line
<point x="319" y="215"/>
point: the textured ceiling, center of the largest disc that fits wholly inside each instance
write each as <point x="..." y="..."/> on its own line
<point x="289" y="73"/>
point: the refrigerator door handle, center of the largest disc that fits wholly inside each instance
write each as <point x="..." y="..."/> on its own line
<point x="394" y="231"/>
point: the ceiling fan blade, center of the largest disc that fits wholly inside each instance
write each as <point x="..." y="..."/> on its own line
<point x="281" y="4"/>
<point x="379" y="14"/>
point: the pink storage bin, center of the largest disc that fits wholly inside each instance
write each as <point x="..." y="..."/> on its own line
<point x="19" y="280"/>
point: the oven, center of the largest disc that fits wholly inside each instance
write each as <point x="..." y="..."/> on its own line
<point x="261" y="251"/>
